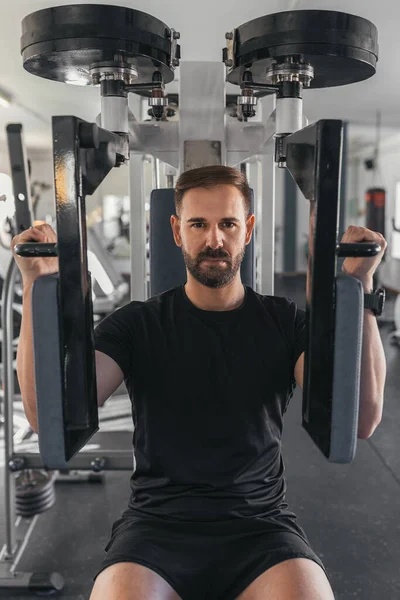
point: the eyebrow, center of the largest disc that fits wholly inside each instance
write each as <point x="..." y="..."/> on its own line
<point x="202" y="220"/>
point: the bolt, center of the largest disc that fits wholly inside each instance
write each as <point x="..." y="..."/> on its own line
<point x="16" y="464"/>
<point x="229" y="62"/>
<point x="175" y="62"/>
<point x="229" y="35"/>
<point x="177" y="35"/>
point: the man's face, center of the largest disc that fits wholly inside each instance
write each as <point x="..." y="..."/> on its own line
<point x="213" y="233"/>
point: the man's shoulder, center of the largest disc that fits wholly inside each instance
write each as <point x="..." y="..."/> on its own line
<point x="153" y="302"/>
<point x="163" y="297"/>
<point x="269" y="302"/>
<point x="137" y="310"/>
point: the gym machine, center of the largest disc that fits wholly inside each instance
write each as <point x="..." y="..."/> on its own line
<point x="123" y="50"/>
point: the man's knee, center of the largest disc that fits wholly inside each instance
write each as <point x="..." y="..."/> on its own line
<point x="293" y="579"/>
<point x="131" y="581"/>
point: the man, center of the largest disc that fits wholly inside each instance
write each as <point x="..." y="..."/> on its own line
<point x="210" y="368"/>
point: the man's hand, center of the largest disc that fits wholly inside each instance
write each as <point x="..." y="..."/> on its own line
<point x="31" y="268"/>
<point x="363" y="268"/>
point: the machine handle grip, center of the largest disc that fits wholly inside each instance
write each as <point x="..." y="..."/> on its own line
<point x="358" y="250"/>
<point x="35" y="249"/>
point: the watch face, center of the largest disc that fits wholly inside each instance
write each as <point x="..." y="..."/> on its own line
<point x="381" y="293"/>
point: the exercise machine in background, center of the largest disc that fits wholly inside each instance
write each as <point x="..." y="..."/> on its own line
<point x="277" y="55"/>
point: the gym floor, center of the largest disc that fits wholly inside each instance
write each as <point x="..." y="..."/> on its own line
<point x="350" y="513"/>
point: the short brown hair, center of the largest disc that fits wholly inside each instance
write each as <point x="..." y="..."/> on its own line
<point x="210" y="177"/>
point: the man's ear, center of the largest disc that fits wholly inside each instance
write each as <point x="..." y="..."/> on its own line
<point x="176" y="230"/>
<point x="249" y="228"/>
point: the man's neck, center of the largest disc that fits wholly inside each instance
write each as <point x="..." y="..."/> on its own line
<point x="229" y="297"/>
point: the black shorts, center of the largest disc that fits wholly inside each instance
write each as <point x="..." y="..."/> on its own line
<point x="207" y="560"/>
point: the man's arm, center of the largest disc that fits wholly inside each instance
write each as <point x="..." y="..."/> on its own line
<point x="373" y="362"/>
<point x="372" y="380"/>
<point x="109" y="375"/>
<point x="373" y="374"/>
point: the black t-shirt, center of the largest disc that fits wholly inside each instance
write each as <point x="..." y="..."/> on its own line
<point x="208" y="391"/>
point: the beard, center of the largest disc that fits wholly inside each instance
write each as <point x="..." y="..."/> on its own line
<point x="213" y="275"/>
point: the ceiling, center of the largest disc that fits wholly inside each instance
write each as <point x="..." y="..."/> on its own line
<point x="202" y="26"/>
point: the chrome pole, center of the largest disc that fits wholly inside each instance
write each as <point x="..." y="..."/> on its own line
<point x="8" y="383"/>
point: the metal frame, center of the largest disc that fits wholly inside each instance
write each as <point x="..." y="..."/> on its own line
<point x="314" y="160"/>
<point x="84" y="154"/>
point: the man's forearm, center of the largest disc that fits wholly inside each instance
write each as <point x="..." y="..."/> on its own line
<point x="373" y="374"/>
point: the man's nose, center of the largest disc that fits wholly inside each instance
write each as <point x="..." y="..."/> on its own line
<point x="215" y="238"/>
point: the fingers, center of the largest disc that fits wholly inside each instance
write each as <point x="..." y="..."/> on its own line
<point x="39" y="233"/>
<point x="362" y="234"/>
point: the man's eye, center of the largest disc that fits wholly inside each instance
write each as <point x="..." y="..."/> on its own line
<point x="230" y="223"/>
<point x="197" y="225"/>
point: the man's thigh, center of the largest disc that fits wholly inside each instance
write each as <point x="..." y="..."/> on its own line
<point x="293" y="579"/>
<point x="131" y="581"/>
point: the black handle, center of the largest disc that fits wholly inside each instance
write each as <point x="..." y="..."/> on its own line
<point x="358" y="250"/>
<point x="35" y="249"/>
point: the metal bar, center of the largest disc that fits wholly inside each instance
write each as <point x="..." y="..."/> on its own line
<point x="115" y="460"/>
<point x="343" y="183"/>
<point x="20" y="178"/>
<point x="253" y="177"/>
<point x="32" y="249"/>
<point x="361" y="249"/>
<point x="290" y="222"/>
<point x="313" y="156"/>
<point x="343" y="192"/>
<point x="8" y="374"/>
<point x="267" y="228"/>
<point x="80" y="396"/>
<point x="156" y="173"/>
<point x="24" y="529"/>
<point x="201" y="121"/>
<point x="137" y="229"/>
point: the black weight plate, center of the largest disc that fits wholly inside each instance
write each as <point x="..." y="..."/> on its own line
<point x="40" y="483"/>
<point x="31" y="500"/>
<point x="342" y="48"/>
<point x="61" y="43"/>
<point x="37" y="507"/>
<point x="28" y="512"/>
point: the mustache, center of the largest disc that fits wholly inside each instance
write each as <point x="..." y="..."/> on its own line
<point x="213" y="254"/>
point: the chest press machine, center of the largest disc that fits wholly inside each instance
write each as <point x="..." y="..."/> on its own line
<point x="123" y="50"/>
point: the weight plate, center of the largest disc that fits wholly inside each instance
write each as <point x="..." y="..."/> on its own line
<point x="342" y="48"/>
<point x="31" y="512"/>
<point x="63" y="42"/>
<point x="31" y="501"/>
<point x="39" y="505"/>
<point x="33" y="484"/>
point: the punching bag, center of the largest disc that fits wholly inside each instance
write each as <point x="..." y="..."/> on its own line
<point x="375" y="199"/>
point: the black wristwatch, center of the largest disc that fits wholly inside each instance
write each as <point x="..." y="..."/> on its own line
<point x="375" y="301"/>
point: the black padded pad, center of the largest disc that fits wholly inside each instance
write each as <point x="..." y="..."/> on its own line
<point x="47" y="344"/>
<point x="167" y="267"/>
<point x="59" y="441"/>
<point x="346" y="368"/>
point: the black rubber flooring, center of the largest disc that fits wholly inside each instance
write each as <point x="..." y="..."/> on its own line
<point x="351" y="513"/>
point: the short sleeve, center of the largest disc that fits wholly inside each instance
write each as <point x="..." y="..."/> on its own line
<point x="114" y="336"/>
<point x="299" y="334"/>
